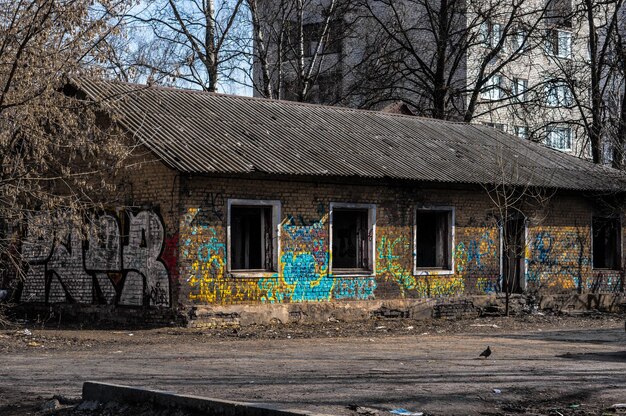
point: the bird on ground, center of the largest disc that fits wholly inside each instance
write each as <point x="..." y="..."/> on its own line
<point x="486" y="353"/>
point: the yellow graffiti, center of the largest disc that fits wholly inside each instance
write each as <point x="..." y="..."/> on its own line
<point x="203" y="249"/>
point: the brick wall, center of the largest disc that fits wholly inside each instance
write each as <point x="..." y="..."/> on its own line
<point x="130" y="256"/>
<point x="304" y="275"/>
<point x="169" y="246"/>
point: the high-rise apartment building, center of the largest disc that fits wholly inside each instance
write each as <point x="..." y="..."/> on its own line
<point x="516" y="66"/>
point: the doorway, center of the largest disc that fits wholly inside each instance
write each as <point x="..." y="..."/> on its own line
<point x="513" y="250"/>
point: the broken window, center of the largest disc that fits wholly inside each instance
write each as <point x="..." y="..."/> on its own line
<point x="252" y="231"/>
<point x="352" y="239"/>
<point x="606" y="243"/>
<point x="434" y="239"/>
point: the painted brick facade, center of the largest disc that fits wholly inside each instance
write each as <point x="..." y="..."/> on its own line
<point x="557" y="252"/>
<point x="179" y="228"/>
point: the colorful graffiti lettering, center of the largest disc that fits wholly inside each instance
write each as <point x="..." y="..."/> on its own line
<point x="304" y="268"/>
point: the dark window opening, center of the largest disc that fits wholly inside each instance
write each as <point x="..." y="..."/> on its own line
<point x="434" y="233"/>
<point x="606" y="243"/>
<point x="251" y="238"/>
<point x="351" y="239"/>
<point x="314" y="40"/>
<point x="559" y="12"/>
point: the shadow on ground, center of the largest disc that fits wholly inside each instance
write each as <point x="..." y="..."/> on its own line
<point x="613" y="356"/>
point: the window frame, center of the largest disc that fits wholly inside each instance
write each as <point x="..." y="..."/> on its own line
<point x="519" y="40"/>
<point x="371" y="225"/>
<point x="620" y="236"/>
<point x="548" y="142"/>
<point x="498" y="126"/>
<point x="553" y="43"/>
<point x="520" y="96"/>
<point x="521" y="132"/>
<point x="559" y="94"/>
<point x="493" y="91"/>
<point x="417" y="271"/>
<point x="275" y="206"/>
<point x="490" y="33"/>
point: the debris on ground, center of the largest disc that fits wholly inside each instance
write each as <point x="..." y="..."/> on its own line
<point x="404" y="412"/>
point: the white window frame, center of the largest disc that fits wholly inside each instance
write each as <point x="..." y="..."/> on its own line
<point x="520" y="94"/>
<point x="371" y="226"/>
<point x="556" y="129"/>
<point x="490" y="33"/>
<point x="563" y="43"/>
<point x="275" y="206"/>
<point x="451" y="236"/>
<point x="492" y="90"/>
<point x="498" y="126"/>
<point x="558" y="94"/>
<point x="519" y="40"/>
<point x="521" y="132"/>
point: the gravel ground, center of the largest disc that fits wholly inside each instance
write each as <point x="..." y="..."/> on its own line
<point x="541" y="365"/>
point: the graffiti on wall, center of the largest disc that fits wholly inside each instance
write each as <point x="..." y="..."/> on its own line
<point x="477" y="258"/>
<point x="304" y="266"/>
<point x="475" y="263"/>
<point x="110" y="267"/>
<point x="303" y="274"/>
<point x="559" y="258"/>
<point x="203" y="260"/>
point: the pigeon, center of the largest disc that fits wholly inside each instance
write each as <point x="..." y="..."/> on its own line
<point x="486" y="353"/>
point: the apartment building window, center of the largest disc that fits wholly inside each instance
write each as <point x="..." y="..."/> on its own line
<point x="497" y="126"/>
<point x="521" y="132"/>
<point x="352" y="238"/>
<point x="490" y="33"/>
<point x="434" y="235"/>
<point x="606" y="242"/>
<point x="558" y="94"/>
<point x="559" y="43"/>
<point x="492" y="89"/>
<point x="520" y="86"/>
<point x="559" y="13"/>
<point x="324" y="89"/>
<point x="312" y="37"/>
<point x="520" y="39"/>
<point x="253" y="235"/>
<point x="559" y="138"/>
<point x="327" y="88"/>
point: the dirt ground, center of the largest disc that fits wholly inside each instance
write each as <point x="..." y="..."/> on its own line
<point x="543" y="365"/>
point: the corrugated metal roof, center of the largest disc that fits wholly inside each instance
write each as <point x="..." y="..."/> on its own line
<point x="199" y="132"/>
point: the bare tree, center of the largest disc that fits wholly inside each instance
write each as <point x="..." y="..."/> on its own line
<point x="200" y="43"/>
<point x="593" y="73"/>
<point x="53" y="156"/>
<point x="440" y="57"/>
<point x="299" y="48"/>
<point x="517" y="205"/>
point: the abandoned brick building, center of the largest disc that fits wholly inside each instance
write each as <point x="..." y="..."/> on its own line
<point x="241" y="204"/>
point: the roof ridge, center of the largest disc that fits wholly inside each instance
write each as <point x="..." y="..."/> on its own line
<point x="144" y="87"/>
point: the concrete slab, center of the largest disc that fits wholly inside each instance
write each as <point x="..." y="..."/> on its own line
<point x="108" y="392"/>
